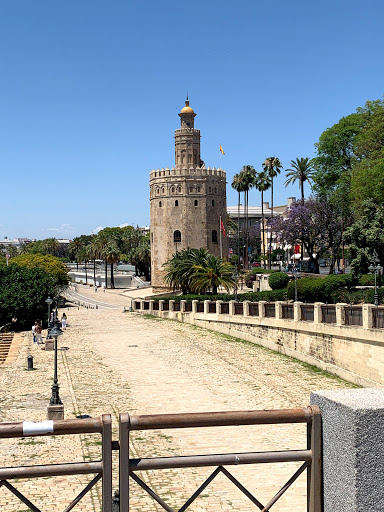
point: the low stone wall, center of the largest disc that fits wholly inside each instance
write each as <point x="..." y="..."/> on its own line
<point x="343" y="340"/>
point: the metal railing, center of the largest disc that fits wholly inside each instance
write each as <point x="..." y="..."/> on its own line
<point x="307" y="312"/>
<point x="102" y="468"/>
<point x="328" y="314"/>
<point x="353" y="315"/>
<point x="378" y="318"/>
<point x="287" y="311"/>
<point x="310" y="456"/>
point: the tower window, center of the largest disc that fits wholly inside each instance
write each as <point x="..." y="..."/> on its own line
<point x="173" y="190"/>
<point x="179" y="189"/>
<point x="176" y="236"/>
<point x="196" y="202"/>
<point x="214" y="236"/>
<point x="198" y="189"/>
<point x="163" y="190"/>
<point x="209" y="189"/>
<point x="213" y="202"/>
<point x="160" y="204"/>
<point x="176" y="203"/>
<point x="215" y="190"/>
<point x="191" y="189"/>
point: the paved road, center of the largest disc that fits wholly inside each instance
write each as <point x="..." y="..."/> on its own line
<point x="119" y="362"/>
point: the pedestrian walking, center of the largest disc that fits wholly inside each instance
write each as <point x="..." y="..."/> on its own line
<point x="33" y="332"/>
<point x="95" y="289"/>
<point x="64" y="321"/>
<point x="38" y="331"/>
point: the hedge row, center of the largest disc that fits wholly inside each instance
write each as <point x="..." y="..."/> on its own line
<point x="320" y="290"/>
<point x="270" y="296"/>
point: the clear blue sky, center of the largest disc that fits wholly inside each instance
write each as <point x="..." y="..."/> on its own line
<point x="90" y="92"/>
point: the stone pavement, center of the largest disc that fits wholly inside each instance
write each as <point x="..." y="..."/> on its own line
<point x="119" y="362"/>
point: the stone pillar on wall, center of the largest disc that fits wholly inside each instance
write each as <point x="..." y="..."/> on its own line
<point x="182" y="306"/>
<point x="206" y="307"/>
<point x="340" y="313"/>
<point x="368" y="316"/>
<point x="231" y="307"/>
<point x="151" y="305"/>
<point x="261" y="308"/>
<point x="218" y="307"/>
<point x="317" y="314"/>
<point x="171" y="305"/>
<point x="297" y="311"/>
<point x="161" y="305"/>
<point x="246" y="308"/>
<point x="279" y="310"/>
<point x="194" y="306"/>
<point x="353" y="448"/>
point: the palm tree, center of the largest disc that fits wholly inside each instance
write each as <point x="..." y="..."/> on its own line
<point x="93" y="254"/>
<point x="51" y="245"/>
<point x="213" y="273"/>
<point x="272" y="166"/>
<point x="238" y="185"/>
<point x="247" y="174"/>
<point x="111" y="253"/>
<point x="180" y="268"/>
<point x="101" y="243"/>
<point x="75" y="248"/>
<point x="262" y="183"/>
<point x="301" y="172"/>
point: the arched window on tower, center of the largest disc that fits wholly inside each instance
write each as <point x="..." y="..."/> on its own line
<point x="160" y="204"/>
<point x="214" y="236"/>
<point x="176" y="237"/>
<point x="176" y="203"/>
<point x="196" y="202"/>
<point x="173" y="190"/>
<point x="213" y="202"/>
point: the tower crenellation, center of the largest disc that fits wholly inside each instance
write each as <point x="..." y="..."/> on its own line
<point x="186" y="201"/>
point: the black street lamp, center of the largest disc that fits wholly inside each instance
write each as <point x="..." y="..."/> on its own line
<point x="375" y="267"/>
<point x="55" y="398"/>
<point x="49" y="302"/>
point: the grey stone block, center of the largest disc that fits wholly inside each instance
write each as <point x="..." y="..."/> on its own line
<point x="353" y="449"/>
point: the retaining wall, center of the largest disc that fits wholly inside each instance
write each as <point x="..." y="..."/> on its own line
<point x="343" y="340"/>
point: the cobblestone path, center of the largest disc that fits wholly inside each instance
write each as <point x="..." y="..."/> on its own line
<point x="119" y="362"/>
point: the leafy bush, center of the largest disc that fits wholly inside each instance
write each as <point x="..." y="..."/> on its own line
<point x="258" y="270"/>
<point x="311" y="289"/>
<point x="278" y="280"/>
<point x="357" y="296"/>
<point x="367" y="280"/>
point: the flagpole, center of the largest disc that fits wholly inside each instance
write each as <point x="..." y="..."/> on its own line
<point x="221" y="241"/>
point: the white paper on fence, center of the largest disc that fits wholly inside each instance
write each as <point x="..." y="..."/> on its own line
<point x="31" y="428"/>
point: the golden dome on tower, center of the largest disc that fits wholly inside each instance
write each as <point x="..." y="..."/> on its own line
<point x="187" y="109"/>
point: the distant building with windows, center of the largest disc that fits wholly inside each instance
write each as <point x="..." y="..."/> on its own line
<point x="186" y="202"/>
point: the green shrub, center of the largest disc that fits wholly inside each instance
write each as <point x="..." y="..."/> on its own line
<point x="357" y="296"/>
<point x="367" y="280"/>
<point x="278" y="280"/>
<point x="311" y="289"/>
<point x="251" y="296"/>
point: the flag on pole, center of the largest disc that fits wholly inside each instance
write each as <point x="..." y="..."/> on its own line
<point x="221" y="149"/>
<point x="222" y="226"/>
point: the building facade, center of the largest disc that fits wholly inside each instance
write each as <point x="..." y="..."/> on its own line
<point x="186" y="202"/>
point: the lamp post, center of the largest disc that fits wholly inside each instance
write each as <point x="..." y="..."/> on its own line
<point x="55" y="398"/>
<point x="49" y="302"/>
<point x="295" y="270"/>
<point x="375" y="267"/>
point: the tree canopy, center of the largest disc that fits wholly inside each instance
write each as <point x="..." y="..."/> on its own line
<point x="52" y="265"/>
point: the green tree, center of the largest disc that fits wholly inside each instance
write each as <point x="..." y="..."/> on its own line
<point x="366" y="235"/>
<point x="23" y="292"/>
<point x="238" y="185"/>
<point x="52" y="265"/>
<point x="247" y="176"/>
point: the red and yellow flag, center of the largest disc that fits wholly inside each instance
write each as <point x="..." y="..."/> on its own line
<point x="222" y="226"/>
<point x="221" y="149"/>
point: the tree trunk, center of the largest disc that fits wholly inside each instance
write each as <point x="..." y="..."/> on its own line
<point x="214" y="290"/>
<point x="86" y="275"/>
<point x="238" y="236"/>
<point x="270" y="231"/>
<point x="94" y="272"/>
<point x="112" y="277"/>
<point x="106" y="274"/>
<point x="302" y="234"/>
<point x="263" y="232"/>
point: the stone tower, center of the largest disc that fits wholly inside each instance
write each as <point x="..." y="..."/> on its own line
<point x="187" y="202"/>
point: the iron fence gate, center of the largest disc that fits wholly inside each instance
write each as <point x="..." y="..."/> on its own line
<point x="102" y="468"/>
<point x="311" y="456"/>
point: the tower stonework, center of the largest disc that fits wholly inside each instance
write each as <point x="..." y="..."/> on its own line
<point x="186" y="202"/>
